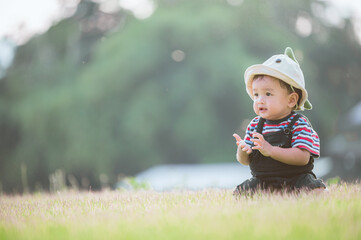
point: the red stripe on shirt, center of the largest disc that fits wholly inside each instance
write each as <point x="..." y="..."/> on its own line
<point x="308" y="149"/>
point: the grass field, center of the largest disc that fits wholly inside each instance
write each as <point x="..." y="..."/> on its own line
<point x="208" y="214"/>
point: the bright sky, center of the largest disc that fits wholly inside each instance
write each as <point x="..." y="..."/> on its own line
<point x="18" y="16"/>
<point x="20" y="19"/>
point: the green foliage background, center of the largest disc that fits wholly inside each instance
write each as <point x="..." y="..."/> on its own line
<point x="96" y="97"/>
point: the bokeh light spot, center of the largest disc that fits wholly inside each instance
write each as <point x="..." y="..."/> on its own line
<point x="178" y="55"/>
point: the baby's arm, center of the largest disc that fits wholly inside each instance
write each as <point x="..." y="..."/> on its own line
<point x="243" y="150"/>
<point x="291" y="156"/>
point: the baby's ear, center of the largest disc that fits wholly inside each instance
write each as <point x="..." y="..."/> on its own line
<point x="292" y="100"/>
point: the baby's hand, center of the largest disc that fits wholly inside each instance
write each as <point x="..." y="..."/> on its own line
<point x="242" y="145"/>
<point x="261" y="144"/>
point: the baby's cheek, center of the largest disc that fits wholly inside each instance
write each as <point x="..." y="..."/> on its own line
<point x="255" y="109"/>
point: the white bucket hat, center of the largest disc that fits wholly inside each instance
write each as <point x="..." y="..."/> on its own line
<point x="284" y="67"/>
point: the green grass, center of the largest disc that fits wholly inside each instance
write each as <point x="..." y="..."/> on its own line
<point x="208" y="214"/>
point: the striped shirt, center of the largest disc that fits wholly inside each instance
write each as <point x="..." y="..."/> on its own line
<point x="303" y="135"/>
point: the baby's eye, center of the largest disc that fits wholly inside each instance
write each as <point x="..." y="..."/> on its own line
<point x="256" y="94"/>
<point x="268" y="94"/>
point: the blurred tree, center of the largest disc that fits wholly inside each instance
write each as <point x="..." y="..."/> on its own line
<point x="122" y="94"/>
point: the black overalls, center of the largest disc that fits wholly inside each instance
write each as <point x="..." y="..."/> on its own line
<point x="272" y="174"/>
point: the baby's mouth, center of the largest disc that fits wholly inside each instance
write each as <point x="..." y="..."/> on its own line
<point x="262" y="109"/>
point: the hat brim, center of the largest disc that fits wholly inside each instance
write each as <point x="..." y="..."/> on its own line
<point x="260" y="69"/>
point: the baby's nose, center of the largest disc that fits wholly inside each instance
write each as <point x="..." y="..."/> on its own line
<point x="260" y="99"/>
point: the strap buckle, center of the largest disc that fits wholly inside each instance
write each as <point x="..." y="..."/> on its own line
<point x="287" y="131"/>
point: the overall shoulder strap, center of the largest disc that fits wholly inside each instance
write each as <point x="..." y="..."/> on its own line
<point x="288" y="129"/>
<point x="260" y="125"/>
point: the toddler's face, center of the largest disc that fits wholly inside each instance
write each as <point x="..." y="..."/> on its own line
<point x="270" y="100"/>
